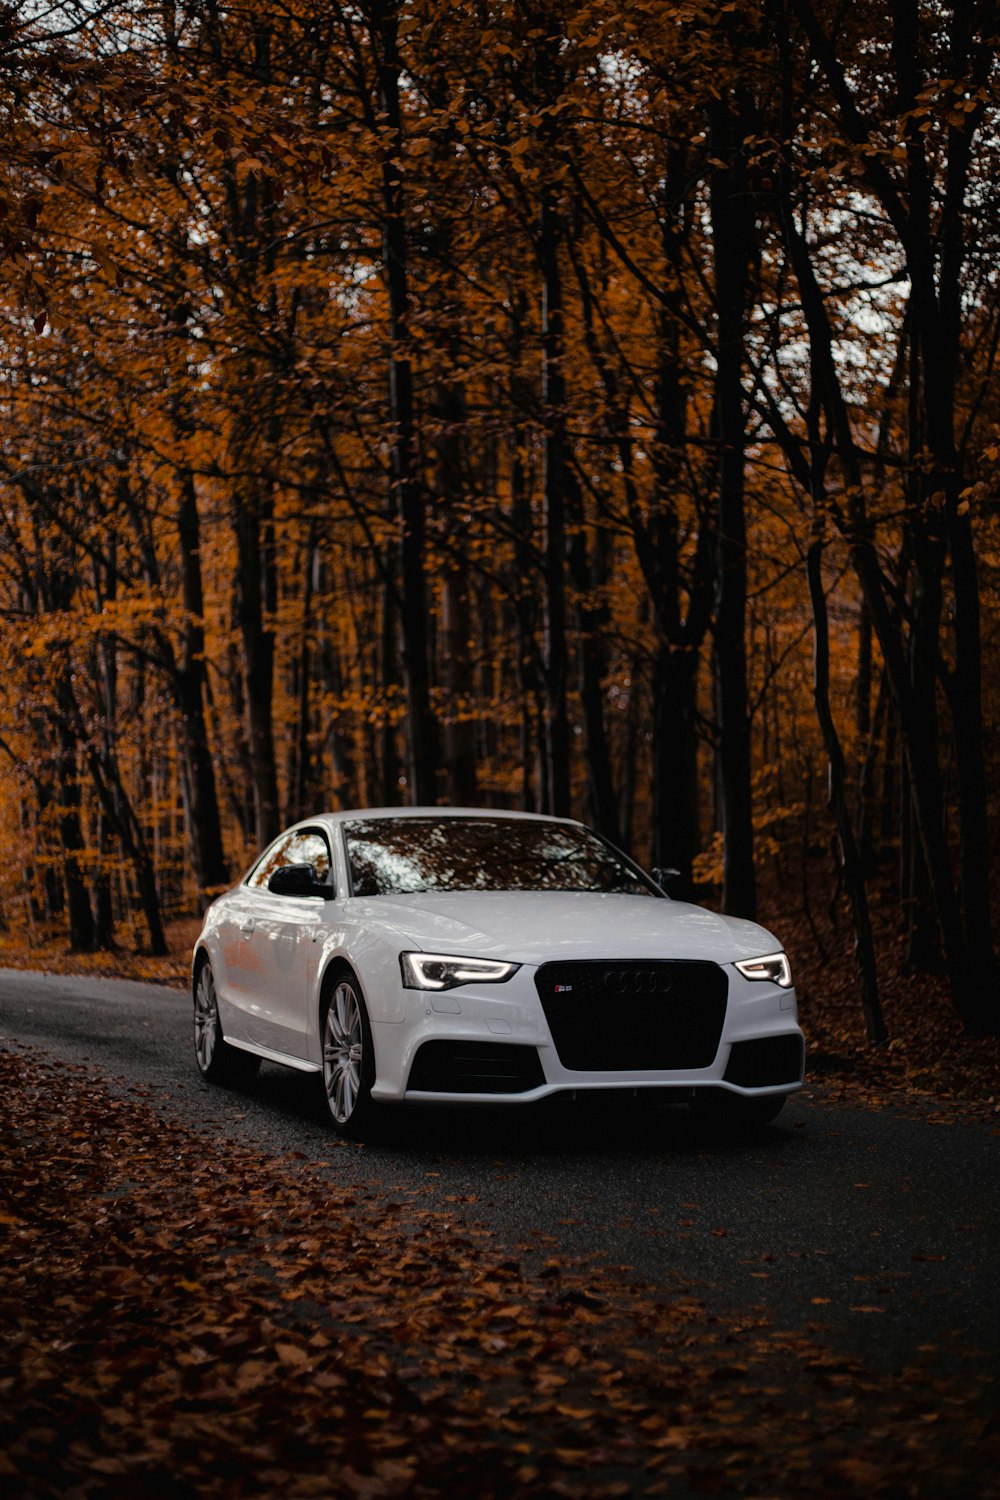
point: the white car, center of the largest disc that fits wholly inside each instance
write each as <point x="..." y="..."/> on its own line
<point x="464" y="955"/>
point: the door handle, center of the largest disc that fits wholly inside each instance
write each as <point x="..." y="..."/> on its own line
<point x="247" y="927"/>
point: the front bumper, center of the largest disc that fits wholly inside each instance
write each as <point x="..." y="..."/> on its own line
<point x="484" y="1019"/>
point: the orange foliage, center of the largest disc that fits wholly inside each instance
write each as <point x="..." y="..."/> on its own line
<point x="207" y="628"/>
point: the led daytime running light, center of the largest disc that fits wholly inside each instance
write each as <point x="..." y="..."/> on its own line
<point x="443" y="971"/>
<point x="773" y="967"/>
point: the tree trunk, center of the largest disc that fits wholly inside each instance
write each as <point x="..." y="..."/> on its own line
<point x="554" y="500"/>
<point x="853" y="874"/>
<point x="300" y="770"/>
<point x="459" y="730"/>
<point x="389" y="767"/>
<point x="589" y="567"/>
<point x="459" y="727"/>
<point x="81" y="916"/>
<point x="732" y="247"/>
<point x="189" y="676"/>
<point x="866" y="801"/>
<point x="864" y="738"/>
<point x="407" y="492"/>
<point x="204" y="824"/>
<point x="254" y="539"/>
<point x="675" y="752"/>
<point x="104" y="923"/>
<point x="529" y="674"/>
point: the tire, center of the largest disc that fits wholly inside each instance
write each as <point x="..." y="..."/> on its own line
<point x="348" y="1055"/>
<point x="217" y="1061"/>
<point x="723" y="1113"/>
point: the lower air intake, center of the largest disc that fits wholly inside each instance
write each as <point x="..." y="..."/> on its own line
<point x="766" y="1062"/>
<point x="475" y="1068"/>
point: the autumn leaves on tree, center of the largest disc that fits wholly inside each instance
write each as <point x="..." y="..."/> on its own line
<point x="499" y="403"/>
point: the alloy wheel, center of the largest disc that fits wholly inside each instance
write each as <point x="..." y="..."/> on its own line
<point x="343" y="1053"/>
<point x="206" y="1019"/>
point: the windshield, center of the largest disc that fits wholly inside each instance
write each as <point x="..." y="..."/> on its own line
<point x="392" y="856"/>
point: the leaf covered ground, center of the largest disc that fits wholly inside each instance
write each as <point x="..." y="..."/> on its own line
<point x="928" y="1059"/>
<point x="184" y="1315"/>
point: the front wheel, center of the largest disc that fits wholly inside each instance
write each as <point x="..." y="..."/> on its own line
<point x="217" y="1061"/>
<point x="348" y="1057"/>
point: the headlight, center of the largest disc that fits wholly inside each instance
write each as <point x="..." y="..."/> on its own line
<point x="440" y="971"/>
<point x="773" y="966"/>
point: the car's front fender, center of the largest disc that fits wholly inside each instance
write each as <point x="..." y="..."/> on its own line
<point x="373" y="954"/>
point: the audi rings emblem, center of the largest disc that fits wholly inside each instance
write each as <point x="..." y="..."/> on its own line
<point x="637" y="981"/>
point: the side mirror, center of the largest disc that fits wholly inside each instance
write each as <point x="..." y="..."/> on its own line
<point x="298" y="880"/>
<point x="674" y="884"/>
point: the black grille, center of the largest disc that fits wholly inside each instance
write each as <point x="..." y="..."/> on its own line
<point x="475" y="1068"/>
<point x="765" y="1062"/>
<point x="618" y="1015"/>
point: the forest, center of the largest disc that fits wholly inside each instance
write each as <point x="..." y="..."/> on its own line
<point x="580" y="408"/>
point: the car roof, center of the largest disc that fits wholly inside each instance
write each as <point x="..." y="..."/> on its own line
<point x="353" y="814"/>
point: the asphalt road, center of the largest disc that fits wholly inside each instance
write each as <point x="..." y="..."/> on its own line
<point x="877" y="1229"/>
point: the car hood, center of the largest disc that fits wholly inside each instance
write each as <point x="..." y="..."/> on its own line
<point x="533" y="927"/>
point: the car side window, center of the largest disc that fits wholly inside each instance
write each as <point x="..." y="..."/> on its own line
<point x="307" y="846"/>
<point x="310" y="847"/>
<point x="272" y="859"/>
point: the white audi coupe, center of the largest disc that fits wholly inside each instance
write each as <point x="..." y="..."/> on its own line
<point x="467" y="956"/>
